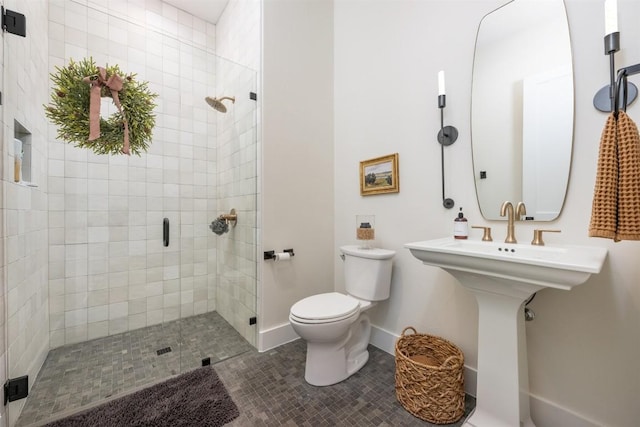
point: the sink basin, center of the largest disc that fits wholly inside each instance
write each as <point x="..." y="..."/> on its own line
<point x="503" y="277"/>
<point x="560" y="267"/>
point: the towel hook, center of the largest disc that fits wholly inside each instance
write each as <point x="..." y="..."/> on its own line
<point x="622" y="78"/>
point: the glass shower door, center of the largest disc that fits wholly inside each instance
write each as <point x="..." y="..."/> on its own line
<point x="94" y="311"/>
<point x="218" y="268"/>
<point x="237" y="189"/>
<point x="97" y="302"/>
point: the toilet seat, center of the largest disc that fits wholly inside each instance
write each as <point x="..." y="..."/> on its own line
<point x="325" y="308"/>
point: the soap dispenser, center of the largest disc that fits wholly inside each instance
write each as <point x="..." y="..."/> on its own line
<point x="460" y="226"/>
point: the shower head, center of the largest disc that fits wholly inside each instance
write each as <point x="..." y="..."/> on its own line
<point x="217" y="102"/>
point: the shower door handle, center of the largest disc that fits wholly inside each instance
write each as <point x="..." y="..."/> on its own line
<point x="165" y="232"/>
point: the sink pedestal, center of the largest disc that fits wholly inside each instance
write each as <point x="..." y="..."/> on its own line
<point x="502" y="397"/>
<point x="503" y="277"/>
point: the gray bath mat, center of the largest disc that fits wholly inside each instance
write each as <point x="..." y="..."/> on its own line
<point x="196" y="398"/>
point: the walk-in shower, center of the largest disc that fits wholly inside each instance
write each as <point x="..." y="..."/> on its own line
<point x="92" y="294"/>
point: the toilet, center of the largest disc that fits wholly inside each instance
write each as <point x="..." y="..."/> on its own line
<point x="335" y="325"/>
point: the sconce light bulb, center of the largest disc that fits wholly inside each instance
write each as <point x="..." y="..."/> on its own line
<point x="610" y="17"/>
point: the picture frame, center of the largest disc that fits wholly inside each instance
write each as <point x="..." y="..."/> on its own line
<point x="379" y="175"/>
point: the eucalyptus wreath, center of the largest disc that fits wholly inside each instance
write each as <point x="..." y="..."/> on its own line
<point x="69" y="109"/>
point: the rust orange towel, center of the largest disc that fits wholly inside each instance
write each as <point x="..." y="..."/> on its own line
<point x="616" y="202"/>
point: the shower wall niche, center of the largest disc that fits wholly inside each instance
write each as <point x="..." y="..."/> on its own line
<point x="21" y="154"/>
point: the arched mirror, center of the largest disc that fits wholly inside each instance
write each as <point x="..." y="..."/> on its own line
<point x="522" y="108"/>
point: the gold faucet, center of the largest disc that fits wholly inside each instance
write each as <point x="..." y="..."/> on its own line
<point x="521" y="210"/>
<point x="507" y="210"/>
<point x="512" y="215"/>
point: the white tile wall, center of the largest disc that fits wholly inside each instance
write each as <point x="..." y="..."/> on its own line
<point x="238" y="39"/>
<point x="106" y="212"/>
<point x="84" y="248"/>
<point x="25" y="208"/>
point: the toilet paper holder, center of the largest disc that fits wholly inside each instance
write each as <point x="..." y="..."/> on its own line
<point x="272" y="254"/>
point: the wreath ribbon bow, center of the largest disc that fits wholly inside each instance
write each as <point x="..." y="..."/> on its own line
<point x="114" y="83"/>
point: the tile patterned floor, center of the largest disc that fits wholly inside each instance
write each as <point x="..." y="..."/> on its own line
<point x="269" y="389"/>
<point x="81" y="374"/>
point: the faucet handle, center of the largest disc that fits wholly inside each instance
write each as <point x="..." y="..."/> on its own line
<point x="486" y="237"/>
<point x="537" y="236"/>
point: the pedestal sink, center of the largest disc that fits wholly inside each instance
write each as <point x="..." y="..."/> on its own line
<point x="502" y="277"/>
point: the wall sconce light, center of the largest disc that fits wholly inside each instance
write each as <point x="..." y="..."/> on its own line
<point x="606" y="98"/>
<point x="446" y="136"/>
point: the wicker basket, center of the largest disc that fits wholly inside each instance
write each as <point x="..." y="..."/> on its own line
<point x="429" y="377"/>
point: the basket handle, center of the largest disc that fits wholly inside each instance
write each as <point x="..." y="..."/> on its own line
<point x="407" y="328"/>
<point x="455" y="359"/>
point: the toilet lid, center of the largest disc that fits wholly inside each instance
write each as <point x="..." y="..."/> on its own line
<point x="327" y="306"/>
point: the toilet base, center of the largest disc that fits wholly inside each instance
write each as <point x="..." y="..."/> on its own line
<point x="331" y="363"/>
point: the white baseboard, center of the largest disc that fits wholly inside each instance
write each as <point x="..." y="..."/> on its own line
<point x="543" y="412"/>
<point x="276" y="336"/>
<point x="547" y="414"/>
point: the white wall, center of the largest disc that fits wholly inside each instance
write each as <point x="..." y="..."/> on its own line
<point x="298" y="155"/>
<point x="584" y="345"/>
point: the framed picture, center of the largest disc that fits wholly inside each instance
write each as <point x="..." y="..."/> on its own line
<point x="379" y="175"/>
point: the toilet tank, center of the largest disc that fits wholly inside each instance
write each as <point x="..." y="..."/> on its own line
<point x="367" y="272"/>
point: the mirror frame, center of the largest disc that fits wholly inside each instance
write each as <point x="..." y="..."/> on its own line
<point x="490" y="210"/>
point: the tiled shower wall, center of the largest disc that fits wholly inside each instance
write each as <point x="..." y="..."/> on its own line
<point x="236" y="293"/>
<point x="238" y="39"/>
<point x="108" y="269"/>
<point x="24" y="301"/>
<point x="90" y="228"/>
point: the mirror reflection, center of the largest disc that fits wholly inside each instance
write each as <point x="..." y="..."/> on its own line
<point x="522" y="108"/>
